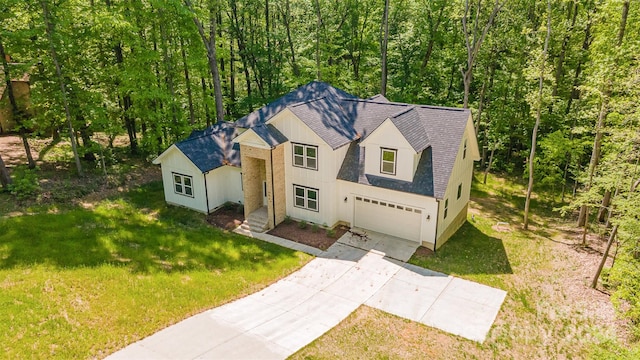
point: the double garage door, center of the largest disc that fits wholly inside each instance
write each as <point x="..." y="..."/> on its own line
<point x="388" y="218"/>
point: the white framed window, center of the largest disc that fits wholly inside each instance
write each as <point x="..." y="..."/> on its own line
<point x="446" y="208"/>
<point x="305" y="197"/>
<point x="464" y="150"/>
<point x="305" y="156"/>
<point x="388" y="161"/>
<point x="459" y="191"/>
<point x="183" y="184"/>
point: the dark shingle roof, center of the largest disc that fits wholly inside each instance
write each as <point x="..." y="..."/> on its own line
<point x="310" y="91"/>
<point x="340" y="118"/>
<point x="270" y="134"/>
<point x="211" y="148"/>
<point x="352" y="170"/>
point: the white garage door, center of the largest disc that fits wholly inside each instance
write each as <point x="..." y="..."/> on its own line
<point x="388" y="218"/>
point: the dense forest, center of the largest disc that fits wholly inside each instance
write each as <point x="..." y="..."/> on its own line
<point x="554" y="86"/>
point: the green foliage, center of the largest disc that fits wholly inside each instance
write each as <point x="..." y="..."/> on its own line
<point x="287" y="219"/>
<point x="26" y="184"/>
<point x="331" y="233"/>
<point x="302" y="224"/>
<point x="315" y="228"/>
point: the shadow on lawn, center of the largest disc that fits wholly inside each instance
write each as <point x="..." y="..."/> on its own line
<point x="122" y="233"/>
<point x="469" y="251"/>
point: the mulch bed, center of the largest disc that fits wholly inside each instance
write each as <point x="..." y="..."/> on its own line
<point x="319" y="239"/>
<point x="226" y="218"/>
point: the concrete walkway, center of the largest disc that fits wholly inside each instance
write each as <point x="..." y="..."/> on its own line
<point x="286" y="316"/>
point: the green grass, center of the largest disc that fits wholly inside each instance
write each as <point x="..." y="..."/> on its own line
<point x="82" y="283"/>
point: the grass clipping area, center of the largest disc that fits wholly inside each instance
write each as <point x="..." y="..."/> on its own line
<point x="83" y="283"/>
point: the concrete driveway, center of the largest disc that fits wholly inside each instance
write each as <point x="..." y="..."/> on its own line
<point x="286" y="316"/>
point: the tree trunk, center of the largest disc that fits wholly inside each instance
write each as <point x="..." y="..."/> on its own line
<point x="538" y="113"/>
<point x="605" y="255"/>
<point x="604" y="208"/>
<point x="18" y="114"/>
<point x="192" y="115"/>
<point x="623" y="22"/>
<point x="287" y="25"/>
<point x="595" y="155"/>
<point x="573" y="14"/>
<point x="5" y="179"/>
<point x="209" y="43"/>
<point x="486" y="171"/>
<point x="318" y="27"/>
<point x="205" y="94"/>
<point x="383" y="48"/>
<point x="54" y="56"/>
<point x="474" y="42"/>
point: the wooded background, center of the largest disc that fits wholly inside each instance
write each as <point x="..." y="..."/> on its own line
<point x="555" y="84"/>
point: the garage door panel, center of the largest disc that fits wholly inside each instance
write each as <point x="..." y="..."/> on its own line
<point x="388" y="218"/>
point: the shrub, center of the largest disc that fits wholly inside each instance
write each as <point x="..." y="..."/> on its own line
<point x="331" y="233"/>
<point x="302" y="224"/>
<point x="25" y="183"/>
<point x="315" y="228"/>
<point x="287" y="219"/>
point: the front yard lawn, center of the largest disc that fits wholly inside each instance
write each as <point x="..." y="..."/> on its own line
<point x="85" y="282"/>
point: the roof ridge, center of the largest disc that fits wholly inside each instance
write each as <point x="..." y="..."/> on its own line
<point x="306" y="101"/>
<point x="402" y="112"/>
<point x="434" y="107"/>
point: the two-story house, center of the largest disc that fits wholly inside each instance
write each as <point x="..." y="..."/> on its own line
<point x="325" y="156"/>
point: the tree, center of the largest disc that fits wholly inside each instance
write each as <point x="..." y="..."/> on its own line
<point x="383" y="48"/>
<point x="209" y="42"/>
<point x="534" y="136"/>
<point x="473" y="39"/>
<point x="49" y="30"/>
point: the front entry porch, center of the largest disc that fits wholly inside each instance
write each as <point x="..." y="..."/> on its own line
<point x="263" y="184"/>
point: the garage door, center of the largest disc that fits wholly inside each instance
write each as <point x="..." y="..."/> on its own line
<point x="388" y="218"/>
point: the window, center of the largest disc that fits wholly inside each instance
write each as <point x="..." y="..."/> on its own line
<point x="459" y="191"/>
<point x="464" y="150"/>
<point x="305" y="156"/>
<point x="388" y="161"/>
<point x="306" y="198"/>
<point x="446" y="208"/>
<point x="183" y="184"/>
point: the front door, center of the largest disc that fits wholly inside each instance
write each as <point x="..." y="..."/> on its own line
<point x="265" y="200"/>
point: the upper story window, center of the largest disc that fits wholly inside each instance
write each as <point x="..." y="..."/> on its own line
<point x="464" y="150"/>
<point x="183" y="184"/>
<point x="459" y="191"/>
<point x="305" y="156"/>
<point x="388" y="161"/>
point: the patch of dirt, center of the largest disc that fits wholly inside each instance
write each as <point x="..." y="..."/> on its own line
<point x="578" y="265"/>
<point x="291" y="230"/>
<point x="423" y="252"/>
<point x="12" y="150"/>
<point x="226" y="218"/>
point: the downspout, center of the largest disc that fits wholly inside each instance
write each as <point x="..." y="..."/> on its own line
<point x="273" y="190"/>
<point x="206" y="190"/>
<point x="435" y="239"/>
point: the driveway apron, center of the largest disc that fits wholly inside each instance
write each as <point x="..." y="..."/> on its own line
<point x="288" y="315"/>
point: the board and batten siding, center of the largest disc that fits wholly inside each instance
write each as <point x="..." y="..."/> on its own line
<point x="428" y="205"/>
<point x="388" y="136"/>
<point x="461" y="173"/>
<point x="323" y="179"/>
<point x="224" y="184"/>
<point x="174" y="161"/>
